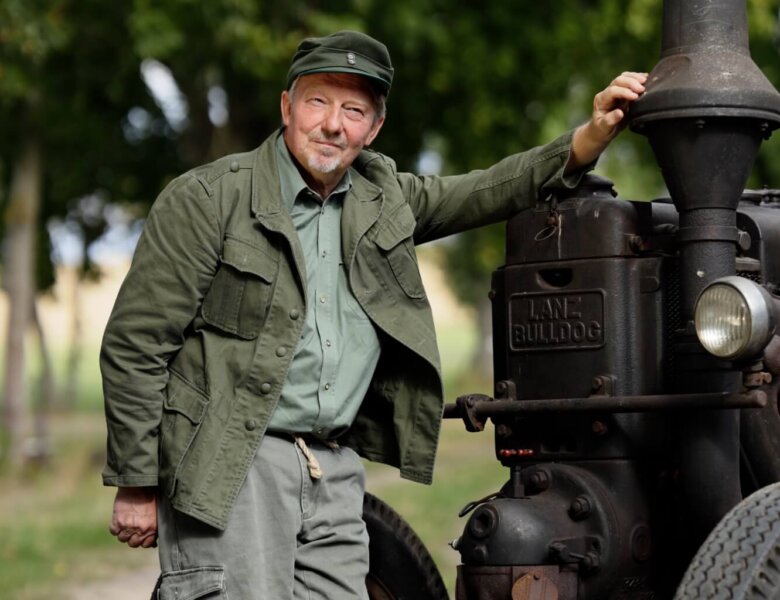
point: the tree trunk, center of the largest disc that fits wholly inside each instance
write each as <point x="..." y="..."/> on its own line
<point x="21" y="218"/>
<point x="40" y="452"/>
<point x="71" y="386"/>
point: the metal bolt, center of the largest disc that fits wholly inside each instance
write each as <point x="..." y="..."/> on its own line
<point x="580" y="508"/>
<point x="539" y="481"/>
<point x="491" y="294"/>
<point x="559" y="551"/>
<point x="599" y="427"/>
<point x="635" y="243"/>
<point x="641" y="543"/>
<point x="744" y="240"/>
<point x="754" y="380"/>
<point x="501" y="388"/>
<point x="483" y="522"/>
<point x="700" y="123"/>
<point x="597" y="383"/>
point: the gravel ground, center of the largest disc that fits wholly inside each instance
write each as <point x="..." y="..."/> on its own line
<point x="130" y="586"/>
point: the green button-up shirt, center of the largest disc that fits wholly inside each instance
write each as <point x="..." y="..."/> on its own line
<point x="339" y="348"/>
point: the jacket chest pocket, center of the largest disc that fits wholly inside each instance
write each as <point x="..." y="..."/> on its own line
<point x="237" y="301"/>
<point x="396" y="242"/>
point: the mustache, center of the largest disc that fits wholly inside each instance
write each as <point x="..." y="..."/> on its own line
<point x="337" y="140"/>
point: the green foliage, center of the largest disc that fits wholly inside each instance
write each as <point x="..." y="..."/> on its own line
<point x="525" y="76"/>
<point x="29" y="33"/>
<point x="54" y="522"/>
<point x="476" y="81"/>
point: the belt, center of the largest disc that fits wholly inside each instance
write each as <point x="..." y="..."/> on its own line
<point x="300" y="440"/>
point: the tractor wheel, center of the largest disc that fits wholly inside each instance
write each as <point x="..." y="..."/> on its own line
<point x="740" y="559"/>
<point x="400" y="567"/>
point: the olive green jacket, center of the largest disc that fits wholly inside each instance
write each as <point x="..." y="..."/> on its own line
<point x="206" y="323"/>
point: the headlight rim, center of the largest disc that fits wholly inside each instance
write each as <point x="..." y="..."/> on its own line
<point x="759" y="309"/>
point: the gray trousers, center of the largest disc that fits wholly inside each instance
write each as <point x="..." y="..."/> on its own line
<point x="289" y="537"/>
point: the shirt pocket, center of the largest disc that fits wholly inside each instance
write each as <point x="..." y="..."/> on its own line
<point x="237" y="301"/>
<point x="395" y="240"/>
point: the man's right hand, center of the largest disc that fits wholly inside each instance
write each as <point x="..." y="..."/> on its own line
<point x="134" y="521"/>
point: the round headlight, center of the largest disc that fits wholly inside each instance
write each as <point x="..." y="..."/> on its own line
<point x="733" y="318"/>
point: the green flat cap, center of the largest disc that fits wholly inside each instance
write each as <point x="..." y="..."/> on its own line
<point x="343" y="52"/>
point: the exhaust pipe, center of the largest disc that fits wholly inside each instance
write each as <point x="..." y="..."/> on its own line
<point x="706" y="110"/>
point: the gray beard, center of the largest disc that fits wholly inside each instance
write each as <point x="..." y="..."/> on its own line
<point x="323" y="164"/>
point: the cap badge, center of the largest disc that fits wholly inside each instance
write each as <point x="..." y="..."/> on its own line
<point x="350" y="58"/>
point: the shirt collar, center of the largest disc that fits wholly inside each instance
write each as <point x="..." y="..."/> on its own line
<point x="292" y="184"/>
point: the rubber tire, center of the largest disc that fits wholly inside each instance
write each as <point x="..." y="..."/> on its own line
<point x="400" y="567"/>
<point x="740" y="559"/>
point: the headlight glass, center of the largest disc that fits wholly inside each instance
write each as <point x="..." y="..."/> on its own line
<point x="723" y="321"/>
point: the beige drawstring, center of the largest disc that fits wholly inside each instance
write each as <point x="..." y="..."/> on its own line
<point x="315" y="471"/>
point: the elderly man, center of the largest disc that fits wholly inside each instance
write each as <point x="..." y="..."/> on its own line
<point x="273" y="328"/>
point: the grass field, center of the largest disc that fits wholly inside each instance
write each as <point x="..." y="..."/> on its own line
<point x="53" y="523"/>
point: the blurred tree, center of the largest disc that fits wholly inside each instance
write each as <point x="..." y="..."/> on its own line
<point x="29" y="36"/>
<point x="66" y="79"/>
<point x="488" y="80"/>
<point x="484" y="80"/>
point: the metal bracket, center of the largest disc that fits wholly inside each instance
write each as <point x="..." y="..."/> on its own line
<point x="467" y="407"/>
<point x="603" y="385"/>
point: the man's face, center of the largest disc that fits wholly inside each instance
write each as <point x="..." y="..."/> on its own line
<point x="329" y="119"/>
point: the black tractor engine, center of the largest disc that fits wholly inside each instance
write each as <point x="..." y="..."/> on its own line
<point x="631" y="414"/>
<point x="587" y="414"/>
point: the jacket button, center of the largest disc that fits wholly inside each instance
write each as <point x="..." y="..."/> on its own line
<point x="234" y="166"/>
<point x="250" y="425"/>
<point x="265" y="388"/>
<point x="281" y="351"/>
<point x="294" y="314"/>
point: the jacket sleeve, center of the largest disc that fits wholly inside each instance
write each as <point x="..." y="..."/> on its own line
<point x="174" y="263"/>
<point x="446" y="205"/>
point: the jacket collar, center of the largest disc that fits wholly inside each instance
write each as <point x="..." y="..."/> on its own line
<point x="266" y="187"/>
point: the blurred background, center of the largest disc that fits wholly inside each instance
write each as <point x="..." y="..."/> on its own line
<point x="102" y="103"/>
